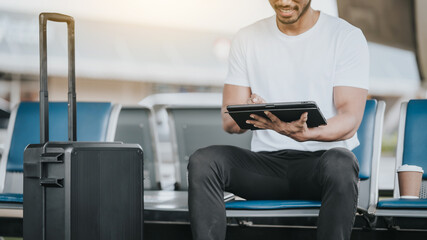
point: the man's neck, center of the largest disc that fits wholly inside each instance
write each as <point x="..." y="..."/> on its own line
<point x="306" y="21"/>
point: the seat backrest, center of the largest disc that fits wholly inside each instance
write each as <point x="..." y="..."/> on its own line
<point x="415" y="138"/>
<point x="197" y="127"/>
<point x="94" y="120"/>
<point x="365" y="134"/>
<point x="412" y="140"/>
<point x="369" y="151"/>
<point x="137" y="125"/>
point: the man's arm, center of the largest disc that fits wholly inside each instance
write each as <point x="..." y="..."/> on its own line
<point x="233" y="94"/>
<point x="350" y="105"/>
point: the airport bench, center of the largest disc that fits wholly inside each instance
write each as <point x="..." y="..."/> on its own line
<point x="136" y="124"/>
<point x="173" y="205"/>
<point x="411" y="150"/>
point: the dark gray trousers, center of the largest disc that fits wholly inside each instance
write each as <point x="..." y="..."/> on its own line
<point x="330" y="176"/>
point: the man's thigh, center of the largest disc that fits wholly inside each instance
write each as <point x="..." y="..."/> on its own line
<point x="309" y="174"/>
<point x="248" y="174"/>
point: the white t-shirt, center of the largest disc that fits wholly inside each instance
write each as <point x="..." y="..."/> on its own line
<point x="306" y="67"/>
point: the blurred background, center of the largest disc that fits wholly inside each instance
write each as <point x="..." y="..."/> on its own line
<point x="130" y="49"/>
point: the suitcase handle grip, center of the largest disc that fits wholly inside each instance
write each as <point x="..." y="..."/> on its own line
<point x="56" y="17"/>
<point x="44" y="99"/>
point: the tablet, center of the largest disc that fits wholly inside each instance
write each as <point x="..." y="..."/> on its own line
<point x="285" y="111"/>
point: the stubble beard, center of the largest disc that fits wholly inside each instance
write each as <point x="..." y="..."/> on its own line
<point x="292" y="21"/>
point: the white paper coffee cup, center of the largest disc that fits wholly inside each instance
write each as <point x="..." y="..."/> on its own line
<point x="410" y="177"/>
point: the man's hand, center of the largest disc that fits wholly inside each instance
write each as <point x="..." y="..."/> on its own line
<point x="297" y="130"/>
<point x="255" y="99"/>
<point x="349" y="103"/>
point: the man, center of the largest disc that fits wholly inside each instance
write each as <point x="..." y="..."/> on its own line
<point x="298" y="54"/>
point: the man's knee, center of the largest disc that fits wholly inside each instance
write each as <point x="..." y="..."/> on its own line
<point x="205" y="161"/>
<point x="339" y="165"/>
<point x="199" y="159"/>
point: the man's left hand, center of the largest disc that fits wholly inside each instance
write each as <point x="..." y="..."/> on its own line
<point x="296" y="130"/>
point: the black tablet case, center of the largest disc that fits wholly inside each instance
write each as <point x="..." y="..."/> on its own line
<point x="285" y="111"/>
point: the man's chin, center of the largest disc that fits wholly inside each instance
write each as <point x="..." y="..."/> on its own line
<point x="287" y="20"/>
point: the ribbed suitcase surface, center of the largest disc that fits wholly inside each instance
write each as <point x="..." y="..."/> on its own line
<point x="83" y="191"/>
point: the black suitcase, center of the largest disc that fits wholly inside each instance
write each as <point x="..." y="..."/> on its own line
<point x="79" y="190"/>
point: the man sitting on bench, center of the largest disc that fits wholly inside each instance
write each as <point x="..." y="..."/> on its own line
<point x="297" y="54"/>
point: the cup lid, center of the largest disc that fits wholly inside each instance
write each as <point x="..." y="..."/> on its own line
<point x="410" y="168"/>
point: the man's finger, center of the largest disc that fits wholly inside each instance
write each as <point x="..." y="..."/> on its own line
<point x="256" y="124"/>
<point x="256" y="99"/>
<point x="272" y="117"/>
<point x="304" y="117"/>
<point x="259" y="118"/>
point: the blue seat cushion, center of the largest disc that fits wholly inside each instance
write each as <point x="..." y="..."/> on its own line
<point x="398" y="203"/>
<point x="272" y="204"/>
<point x="11" y="197"/>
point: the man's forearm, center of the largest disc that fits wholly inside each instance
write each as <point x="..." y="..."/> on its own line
<point x="341" y="127"/>
<point x="350" y="105"/>
<point x="229" y="125"/>
<point x="233" y="128"/>
<point x="233" y="94"/>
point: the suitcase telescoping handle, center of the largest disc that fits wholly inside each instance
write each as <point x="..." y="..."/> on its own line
<point x="44" y="100"/>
